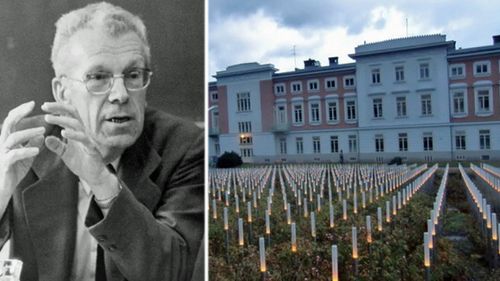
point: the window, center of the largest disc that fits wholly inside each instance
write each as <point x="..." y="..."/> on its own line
<point x="379" y="143"/>
<point x="245" y="127"/>
<point x="332" y="111"/>
<point x="214" y="96"/>
<point x="403" y="141"/>
<point x="297" y="114"/>
<point x="460" y="140"/>
<point x="349" y="81"/>
<point x="351" y="110"/>
<point x="481" y="68"/>
<point x="427" y="140"/>
<point x="376" y="76"/>
<point x="331" y="83"/>
<point x="299" y="144"/>
<point x="246" y="152"/>
<point x="314" y="110"/>
<point x="245" y="139"/>
<point x="296" y="87"/>
<point x="334" y="144"/>
<point x="217" y="147"/>
<point x="279" y="89"/>
<point x="353" y="143"/>
<point x="424" y="71"/>
<point x="484" y="139"/>
<point x="377" y="108"/>
<point x="457" y="71"/>
<point x="458" y="103"/>
<point x="316" y="145"/>
<point x="215" y="119"/>
<point x="426" y="105"/>
<point x="283" y="145"/>
<point x="400" y="73"/>
<point x="401" y="106"/>
<point x="483" y="101"/>
<point x="281" y="114"/>
<point x="243" y="101"/>
<point x="313" y="85"/>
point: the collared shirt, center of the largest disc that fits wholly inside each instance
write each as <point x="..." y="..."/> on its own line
<point x="84" y="261"/>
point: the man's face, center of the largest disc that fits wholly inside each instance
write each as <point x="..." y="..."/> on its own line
<point x="116" y="118"/>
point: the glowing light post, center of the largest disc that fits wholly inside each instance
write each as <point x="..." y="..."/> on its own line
<point x="241" y="241"/>
<point x="369" y="233"/>
<point x="226" y="230"/>
<point x="288" y="215"/>
<point x="313" y="226"/>
<point x="294" y="238"/>
<point x="332" y="217"/>
<point x="249" y="219"/>
<point x="427" y="259"/>
<point x="214" y="209"/>
<point x="355" y="250"/>
<point x="335" y="268"/>
<point x="494" y="238"/>
<point x="344" y="210"/>
<point x="268" y="228"/>
<point x="430" y="240"/>
<point x="262" y="252"/>
<point x="379" y="219"/>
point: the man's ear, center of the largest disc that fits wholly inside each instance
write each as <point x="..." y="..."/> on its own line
<point x="59" y="91"/>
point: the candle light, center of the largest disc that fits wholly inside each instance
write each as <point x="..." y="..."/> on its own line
<point x="355" y="202"/>
<point x="318" y="200"/>
<point x="488" y="216"/>
<point x="294" y="238"/>
<point x="332" y="220"/>
<point x="427" y="260"/>
<point x="237" y="204"/>
<point x="214" y="209"/>
<point x="430" y="227"/>
<point x="226" y="224"/>
<point x="335" y="269"/>
<point x="394" y="206"/>
<point x="387" y="211"/>
<point x="344" y="209"/>
<point x="494" y="232"/>
<point x="288" y="215"/>
<point x="249" y="212"/>
<point x="363" y="199"/>
<point x="313" y="224"/>
<point x="379" y="218"/>
<point x="368" y="230"/>
<point x="262" y="251"/>
<point x="354" y="243"/>
<point x="306" y="214"/>
<point x="268" y="224"/>
<point x="240" y="232"/>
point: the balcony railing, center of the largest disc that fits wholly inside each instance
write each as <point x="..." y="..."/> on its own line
<point x="213" y="132"/>
<point x="281" y="127"/>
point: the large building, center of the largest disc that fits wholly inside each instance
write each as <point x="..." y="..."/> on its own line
<point x="418" y="98"/>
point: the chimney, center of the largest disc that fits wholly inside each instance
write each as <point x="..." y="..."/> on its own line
<point x="496" y="39"/>
<point x="333" y="61"/>
<point x="311" y="63"/>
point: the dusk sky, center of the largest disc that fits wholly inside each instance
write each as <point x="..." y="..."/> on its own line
<point x="267" y="31"/>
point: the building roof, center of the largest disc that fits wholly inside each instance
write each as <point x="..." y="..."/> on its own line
<point x="475" y="51"/>
<point x="314" y="70"/>
<point x="402" y="44"/>
<point x="245" y="68"/>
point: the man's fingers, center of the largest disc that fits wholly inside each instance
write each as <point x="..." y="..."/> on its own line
<point x="18" y="154"/>
<point x="55" y="145"/>
<point x="59" y="108"/>
<point x="36" y="141"/>
<point x="63" y="121"/>
<point x="76" y="136"/>
<point x="20" y="137"/>
<point x="14" y="116"/>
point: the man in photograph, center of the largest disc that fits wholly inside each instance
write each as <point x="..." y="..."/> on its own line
<point x="101" y="187"/>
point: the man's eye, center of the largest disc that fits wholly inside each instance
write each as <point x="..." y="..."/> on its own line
<point x="97" y="76"/>
<point x="135" y="74"/>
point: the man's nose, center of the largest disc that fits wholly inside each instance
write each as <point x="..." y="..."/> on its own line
<point x="118" y="92"/>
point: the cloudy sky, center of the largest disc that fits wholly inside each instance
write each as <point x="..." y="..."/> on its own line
<point x="266" y="31"/>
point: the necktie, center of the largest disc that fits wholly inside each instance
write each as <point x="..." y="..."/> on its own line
<point x="100" y="272"/>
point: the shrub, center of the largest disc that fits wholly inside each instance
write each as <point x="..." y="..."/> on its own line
<point x="229" y="160"/>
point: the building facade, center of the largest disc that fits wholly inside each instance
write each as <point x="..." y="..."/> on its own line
<point x="418" y="98"/>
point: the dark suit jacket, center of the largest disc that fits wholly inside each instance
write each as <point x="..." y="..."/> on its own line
<point x="153" y="229"/>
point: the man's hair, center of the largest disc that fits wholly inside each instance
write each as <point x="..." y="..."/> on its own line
<point x="113" y="20"/>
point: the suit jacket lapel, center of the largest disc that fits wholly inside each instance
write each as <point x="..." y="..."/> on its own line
<point x="136" y="165"/>
<point x="51" y="208"/>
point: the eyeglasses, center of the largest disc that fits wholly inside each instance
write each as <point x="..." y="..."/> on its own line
<point x="99" y="83"/>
